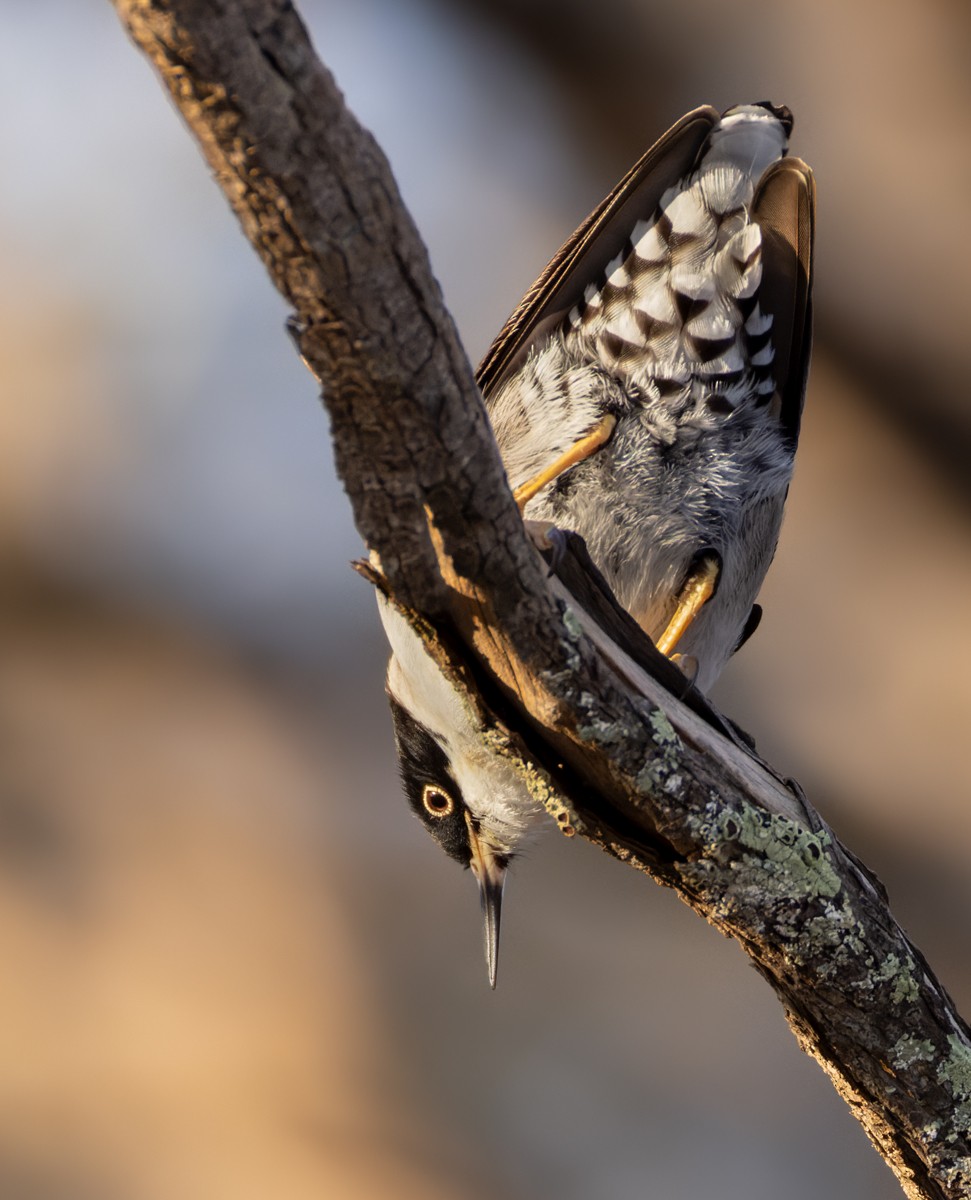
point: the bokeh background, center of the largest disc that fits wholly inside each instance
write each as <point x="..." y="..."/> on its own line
<point x="234" y="967"/>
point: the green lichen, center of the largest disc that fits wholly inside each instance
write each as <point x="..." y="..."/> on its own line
<point x="908" y="1050"/>
<point x="962" y="1120"/>
<point x="574" y="629"/>
<point x="594" y="729"/>
<point x="572" y="622"/>
<point x="958" y="1173"/>
<point x="955" y="1070"/>
<point x="905" y="988"/>
<point x="831" y="940"/>
<point x="929" y="1133"/>
<point x="566" y="816"/>
<point x="538" y="783"/>
<point x="779" y="856"/>
<point x="900" y="975"/>
<point x="777" y="868"/>
<point x="662" y="771"/>
<point x="664" y="732"/>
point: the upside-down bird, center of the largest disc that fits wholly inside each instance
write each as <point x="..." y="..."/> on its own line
<point x="646" y="395"/>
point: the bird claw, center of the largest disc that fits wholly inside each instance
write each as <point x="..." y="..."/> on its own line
<point x="549" y="540"/>
<point x="688" y="665"/>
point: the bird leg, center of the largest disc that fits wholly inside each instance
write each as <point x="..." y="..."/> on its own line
<point x="580" y="450"/>
<point x="696" y="591"/>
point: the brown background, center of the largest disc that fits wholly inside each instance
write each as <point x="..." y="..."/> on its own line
<point x="233" y="966"/>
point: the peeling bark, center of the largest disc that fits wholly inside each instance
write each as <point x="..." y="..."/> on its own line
<point x="590" y="713"/>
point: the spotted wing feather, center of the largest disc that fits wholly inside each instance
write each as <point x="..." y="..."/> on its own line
<point x="601" y="236"/>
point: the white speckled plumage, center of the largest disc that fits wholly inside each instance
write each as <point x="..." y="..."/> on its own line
<point x="682" y="308"/>
<point x="673" y="341"/>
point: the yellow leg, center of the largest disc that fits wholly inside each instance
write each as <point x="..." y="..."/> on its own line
<point x="698" y="589"/>
<point x="577" y="453"/>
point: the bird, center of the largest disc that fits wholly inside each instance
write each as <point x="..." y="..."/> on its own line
<point x="646" y="395"/>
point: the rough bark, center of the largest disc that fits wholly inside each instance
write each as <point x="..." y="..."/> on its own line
<point x="589" y="715"/>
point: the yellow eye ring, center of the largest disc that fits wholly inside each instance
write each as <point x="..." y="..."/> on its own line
<point x="437" y="802"/>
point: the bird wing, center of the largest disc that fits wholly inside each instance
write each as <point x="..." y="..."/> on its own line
<point x="784" y="206"/>
<point x="586" y="252"/>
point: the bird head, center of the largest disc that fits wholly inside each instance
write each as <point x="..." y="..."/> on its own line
<point x="468" y="796"/>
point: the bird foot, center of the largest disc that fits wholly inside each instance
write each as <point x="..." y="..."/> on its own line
<point x="688" y="665"/>
<point x="549" y="540"/>
<point x="590" y="444"/>
<point x="696" y="591"/>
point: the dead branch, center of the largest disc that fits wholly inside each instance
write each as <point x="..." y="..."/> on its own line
<point x="616" y="756"/>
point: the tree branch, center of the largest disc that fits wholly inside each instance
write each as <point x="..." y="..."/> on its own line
<point x="592" y="716"/>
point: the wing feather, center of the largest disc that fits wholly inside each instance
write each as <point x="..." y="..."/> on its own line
<point x="585" y="254"/>
<point x="785" y="207"/>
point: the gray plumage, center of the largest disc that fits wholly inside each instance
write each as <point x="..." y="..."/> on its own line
<point x="674" y="341"/>
<point x="681" y="307"/>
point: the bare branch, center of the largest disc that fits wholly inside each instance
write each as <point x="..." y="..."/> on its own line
<point x="654" y="779"/>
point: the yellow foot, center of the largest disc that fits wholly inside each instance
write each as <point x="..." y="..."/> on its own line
<point x="539" y="532"/>
<point x="688" y="664"/>
<point x="577" y="453"/>
<point x="698" y="589"/>
<point x="549" y="541"/>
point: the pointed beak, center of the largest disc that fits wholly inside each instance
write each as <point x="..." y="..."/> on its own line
<point x="489" y="869"/>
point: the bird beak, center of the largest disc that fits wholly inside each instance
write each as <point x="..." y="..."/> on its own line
<point x="490" y="872"/>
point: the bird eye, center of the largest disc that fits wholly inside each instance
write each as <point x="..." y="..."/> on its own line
<point x="437" y="802"/>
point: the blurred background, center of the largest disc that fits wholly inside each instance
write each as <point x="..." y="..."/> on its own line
<point x="235" y="967"/>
